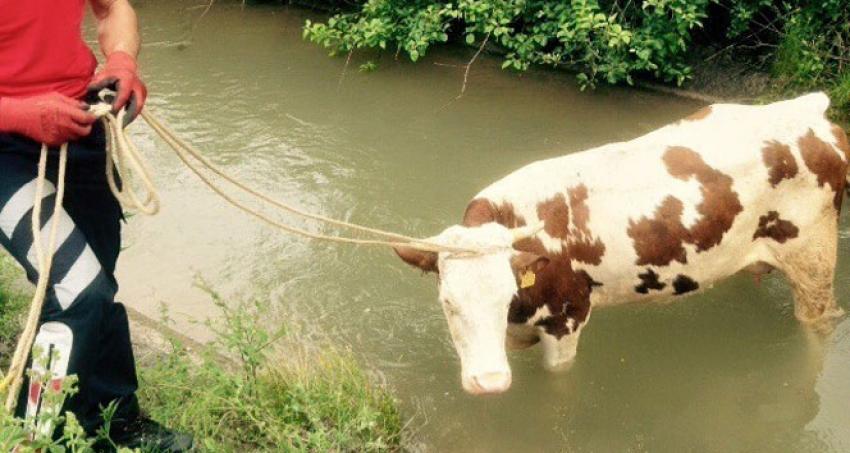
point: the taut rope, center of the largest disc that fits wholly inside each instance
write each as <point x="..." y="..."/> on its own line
<point x="124" y="160"/>
<point x="187" y="153"/>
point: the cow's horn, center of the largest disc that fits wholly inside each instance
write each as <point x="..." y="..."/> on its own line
<point x="526" y="231"/>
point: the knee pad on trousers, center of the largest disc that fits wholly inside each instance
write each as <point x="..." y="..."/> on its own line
<point x="50" y="358"/>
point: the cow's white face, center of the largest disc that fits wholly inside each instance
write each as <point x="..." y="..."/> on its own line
<point x="475" y="293"/>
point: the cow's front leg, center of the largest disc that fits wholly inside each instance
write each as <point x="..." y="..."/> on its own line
<point x="559" y="332"/>
<point x="559" y="353"/>
<point x="559" y="336"/>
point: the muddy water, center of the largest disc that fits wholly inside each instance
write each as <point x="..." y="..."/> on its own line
<point x="729" y="370"/>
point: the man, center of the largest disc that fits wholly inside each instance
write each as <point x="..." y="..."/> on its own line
<point x="45" y="70"/>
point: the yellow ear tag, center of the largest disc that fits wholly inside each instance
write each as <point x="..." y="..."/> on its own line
<point x="527" y="279"/>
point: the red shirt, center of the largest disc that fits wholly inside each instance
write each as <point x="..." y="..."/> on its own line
<point x="42" y="48"/>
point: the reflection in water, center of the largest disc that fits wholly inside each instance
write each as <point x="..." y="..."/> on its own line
<point x="728" y="370"/>
<point x="831" y="425"/>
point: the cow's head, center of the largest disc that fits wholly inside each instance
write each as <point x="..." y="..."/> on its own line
<point x="476" y="292"/>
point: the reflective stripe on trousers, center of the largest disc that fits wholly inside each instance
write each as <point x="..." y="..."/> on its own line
<point x="83" y="331"/>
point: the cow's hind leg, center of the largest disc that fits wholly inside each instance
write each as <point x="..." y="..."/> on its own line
<point x="810" y="269"/>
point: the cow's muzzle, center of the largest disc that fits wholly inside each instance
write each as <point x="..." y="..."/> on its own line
<point x="487" y="383"/>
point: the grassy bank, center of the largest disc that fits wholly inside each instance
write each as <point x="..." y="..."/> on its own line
<point x="252" y="389"/>
<point x="13" y="305"/>
<point x="791" y="46"/>
<point x="256" y="390"/>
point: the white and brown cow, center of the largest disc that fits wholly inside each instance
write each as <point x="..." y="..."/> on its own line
<point x="730" y="188"/>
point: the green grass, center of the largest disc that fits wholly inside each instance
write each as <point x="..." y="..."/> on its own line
<point x="281" y="399"/>
<point x="13" y="306"/>
<point x="249" y="390"/>
<point x="329" y="405"/>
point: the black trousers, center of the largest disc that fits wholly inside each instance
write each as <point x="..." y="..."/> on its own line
<point x="83" y="331"/>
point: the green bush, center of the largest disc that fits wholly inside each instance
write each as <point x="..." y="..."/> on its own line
<point x="610" y="42"/>
<point x="805" y="43"/>
<point x="814" y="50"/>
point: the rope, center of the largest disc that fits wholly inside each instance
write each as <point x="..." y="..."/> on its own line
<point x="124" y="160"/>
<point x="187" y="154"/>
<point x="120" y="150"/>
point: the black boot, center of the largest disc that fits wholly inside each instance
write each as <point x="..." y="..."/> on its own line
<point x="149" y="436"/>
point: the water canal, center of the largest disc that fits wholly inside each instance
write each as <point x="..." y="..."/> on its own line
<point x="728" y="370"/>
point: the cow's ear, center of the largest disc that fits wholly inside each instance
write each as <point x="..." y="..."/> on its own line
<point x="527" y="261"/>
<point x="427" y="261"/>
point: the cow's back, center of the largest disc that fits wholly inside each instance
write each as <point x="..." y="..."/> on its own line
<point x="682" y="206"/>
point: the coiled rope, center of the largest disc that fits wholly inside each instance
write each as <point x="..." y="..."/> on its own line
<point x="124" y="160"/>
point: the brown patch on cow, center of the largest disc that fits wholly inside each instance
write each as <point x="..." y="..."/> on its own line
<point x="587" y="252"/>
<point x="581" y="213"/>
<point x="564" y="290"/>
<point x="822" y="160"/>
<point x="773" y="227"/>
<point x="560" y="287"/>
<point x="684" y="284"/>
<point x="779" y="161"/>
<point x="582" y="246"/>
<point x="699" y="114"/>
<point x="720" y="204"/>
<point x="575" y="306"/>
<point x="507" y="216"/>
<point x="528" y="301"/>
<point x="480" y="211"/>
<point x="659" y="241"/>
<point x="572" y="230"/>
<point x="841" y="140"/>
<point x="649" y="281"/>
<point x="555" y="216"/>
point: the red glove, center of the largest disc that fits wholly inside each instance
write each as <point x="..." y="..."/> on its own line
<point x="121" y="73"/>
<point x="50" y="118"/>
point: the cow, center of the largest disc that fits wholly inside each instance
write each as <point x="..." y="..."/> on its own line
<point x="729" y="188"/>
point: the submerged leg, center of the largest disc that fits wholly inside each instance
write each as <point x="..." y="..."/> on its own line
<point x="559" y="353"/>
<point x="559" y="350"/>
<point x="521" y="336"/>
